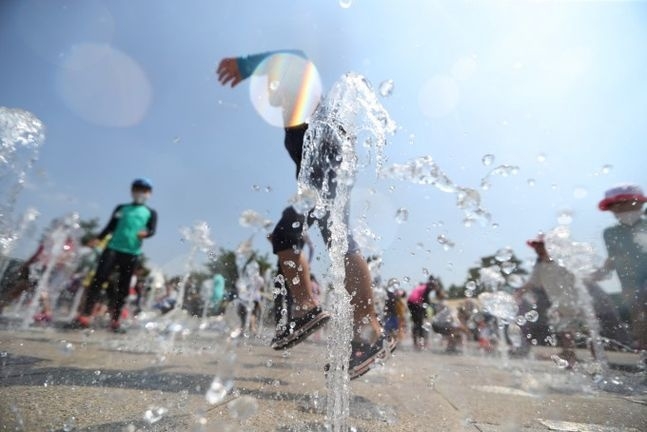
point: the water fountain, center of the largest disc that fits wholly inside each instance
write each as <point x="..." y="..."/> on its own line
<point x="21" y="135"/>
<point x="198" y="236"/>
<point x="57" y="250"/>
<point x="580" y="259"/>
<point x="168" y="326"/>
<point x="350" y="113"/>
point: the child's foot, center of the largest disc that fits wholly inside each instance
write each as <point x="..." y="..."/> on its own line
<point x="298" y="329"/>
<point x="116" y="327"/>
<point x="79" y="323"/>
<point x="364" y="355"/>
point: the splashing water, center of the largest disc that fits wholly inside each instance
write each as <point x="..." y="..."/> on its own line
<point x="198" y="236"/>
<point x="504" y="307"/>
<point x="401" y="215"/>
<point x="487" y="159"/>
<point x="580" y="259"/>
<point x="425" y="171"/>
<point x="21" y="135"/>
<point x="502" y="171"/>
<point x="500" y="304"/>
<point x="252" y="219"/>
<point x="350" y="110"/>
<point x="445" y="242"/>
<point x="386" y="88"/>
<point x="8" y="242"/>
<point x="243" y="407"/>
<point x="154" y="414"/>
<point x="504" y="254"/>
<point x="56" y="249"/>
<point x="491" y="277"/>
<point x="223" y="382"/>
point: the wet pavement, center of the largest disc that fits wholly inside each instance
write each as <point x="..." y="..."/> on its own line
<point x="57" y="380"/>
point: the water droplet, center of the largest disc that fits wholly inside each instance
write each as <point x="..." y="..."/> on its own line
<point x="532" y="316"/>
<point x="218" y="390"/>
<point x="176" y="140"/>
<point x="268" y="363"/>
<point x="296" y="224"/>
<point x="487" y="159"/>
<point x="412" y="139"/>
<point x="256" y="188"/>
<point x="520" y="320"/>
<point x="345" y="4"/>
<point x="69" y="425"/>
<point x="500" y="304"/>
<point x="401" y="215"/>
<point x="304" y="201"/>
<point x="67" y="348"/>
<point x="504" y="254"/>
<point x="606" y="169"/>
<point x="541" y="158"/>
<point x="243" y="408"/>
<point x="470" y="286"/>
<point x="560" y="362"/>
<point x="565" y="218"/>
<point x="515" y="281"/>
<point x="508" y="267"/>
<point x="445" y="242"/>
<point x="154" y="414"/>
<point x="97" y="372"/>
<point x="531" y="182"/>
<point x="268" y="189"/>
<point x="386" y="88"/>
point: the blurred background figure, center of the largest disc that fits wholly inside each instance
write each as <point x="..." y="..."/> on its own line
<point x="626" y="244"/>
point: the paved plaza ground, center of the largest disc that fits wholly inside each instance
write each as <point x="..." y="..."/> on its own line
<point x="57" y="380"/>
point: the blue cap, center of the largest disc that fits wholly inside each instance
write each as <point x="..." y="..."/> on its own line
<point x="142" y="183"/>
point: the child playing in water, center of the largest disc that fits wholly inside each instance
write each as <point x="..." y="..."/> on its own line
<point x="565" y="313"/>
<point x="626" y="244"/>
<point x="369" y="341"/>
<point x="129" y="225"/>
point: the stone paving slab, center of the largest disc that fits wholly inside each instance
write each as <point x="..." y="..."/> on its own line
<point x="97" y="381"/>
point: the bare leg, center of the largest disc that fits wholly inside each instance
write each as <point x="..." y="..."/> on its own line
<point x="358" y="285"/>
<point x="296" y="271"/>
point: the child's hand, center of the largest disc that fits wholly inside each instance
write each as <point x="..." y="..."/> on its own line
<point x="142" y="234"/>
<point x="228" y="71"/>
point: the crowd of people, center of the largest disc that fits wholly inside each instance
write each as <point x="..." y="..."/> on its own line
<point x="563" y="305"/>
<point x="94" y="276"/>
<point x="116" y="251"/>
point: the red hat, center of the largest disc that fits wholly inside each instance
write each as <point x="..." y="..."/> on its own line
<point x="622" y="193"/>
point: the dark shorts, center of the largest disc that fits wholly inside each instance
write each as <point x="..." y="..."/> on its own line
<point x="288" y="233"/>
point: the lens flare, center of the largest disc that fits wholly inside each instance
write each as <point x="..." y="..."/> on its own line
<point x="285" y="89"/>
<point x="104" y="86"/>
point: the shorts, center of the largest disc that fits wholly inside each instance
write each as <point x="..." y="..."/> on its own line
<point x="288" y="232"/>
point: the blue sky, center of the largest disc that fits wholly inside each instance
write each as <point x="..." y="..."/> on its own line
<point x="556" y="88"/>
